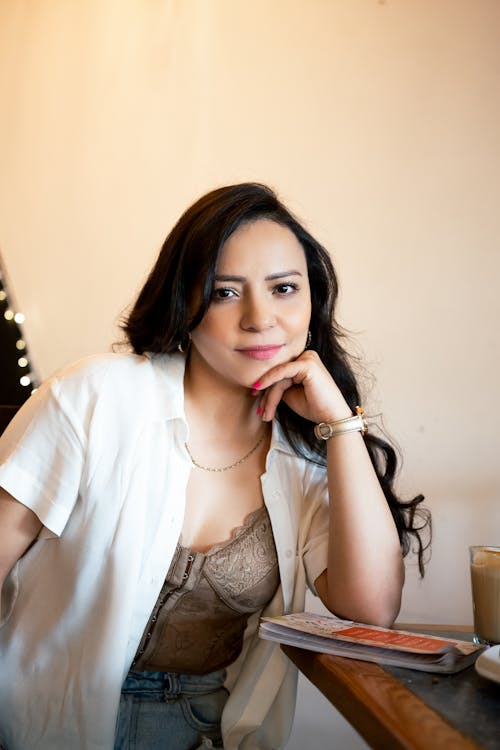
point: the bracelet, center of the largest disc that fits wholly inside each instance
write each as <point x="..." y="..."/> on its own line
<point x="327" y="430"/>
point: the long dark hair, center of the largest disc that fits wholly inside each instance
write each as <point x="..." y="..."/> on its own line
<point x="162" y="318"/>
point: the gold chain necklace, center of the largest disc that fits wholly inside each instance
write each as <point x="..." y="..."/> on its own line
<point x="231" y="466"/>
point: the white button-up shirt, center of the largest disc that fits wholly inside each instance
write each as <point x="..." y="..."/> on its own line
<point x="97" y="452"/>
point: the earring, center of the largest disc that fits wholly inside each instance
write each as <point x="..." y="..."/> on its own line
<point x="308" y="340"/>
<point x="184" y="344"/>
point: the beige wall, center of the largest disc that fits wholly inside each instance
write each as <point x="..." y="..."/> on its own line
<point x="378" y="122"/>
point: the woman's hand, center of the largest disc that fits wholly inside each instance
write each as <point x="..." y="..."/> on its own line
<point x="306" y="386"/>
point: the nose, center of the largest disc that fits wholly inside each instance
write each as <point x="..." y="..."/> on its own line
<point x="257" y="313"/>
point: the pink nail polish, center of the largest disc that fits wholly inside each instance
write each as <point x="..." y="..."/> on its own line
<point x="256" y="385"/>
<point x="259" y="410"/>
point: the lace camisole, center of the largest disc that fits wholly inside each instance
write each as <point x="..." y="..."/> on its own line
<point x="200" y="616"/>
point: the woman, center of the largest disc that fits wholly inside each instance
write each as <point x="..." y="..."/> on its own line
<point x="177" y="493"/>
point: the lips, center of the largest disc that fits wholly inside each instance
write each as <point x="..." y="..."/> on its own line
<point x="261" y="352"/>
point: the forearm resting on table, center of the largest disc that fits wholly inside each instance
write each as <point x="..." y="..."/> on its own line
<point x="19" y="526"/>
<point x="365" y="573"/>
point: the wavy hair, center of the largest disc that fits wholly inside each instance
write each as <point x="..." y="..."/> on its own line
<point x="184" y="274"/>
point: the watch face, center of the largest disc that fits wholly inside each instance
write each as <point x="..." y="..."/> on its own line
<point x="325" y="430"/>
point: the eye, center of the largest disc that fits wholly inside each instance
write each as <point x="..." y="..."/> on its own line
<point x="286" y="288"/>
<point x="222" y="293"/>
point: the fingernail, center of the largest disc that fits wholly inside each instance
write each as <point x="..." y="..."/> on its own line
<point x="256" y="385"/>
<point x="259" y="410"/>
<point x="254" y="391"/>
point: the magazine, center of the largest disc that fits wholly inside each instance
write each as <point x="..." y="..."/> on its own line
<point x="399" y="648"/>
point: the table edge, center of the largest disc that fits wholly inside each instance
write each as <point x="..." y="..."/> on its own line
<point x="376" y="717"/>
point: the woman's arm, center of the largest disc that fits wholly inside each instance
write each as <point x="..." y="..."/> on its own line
<point x="365" y="573"/>
<point x="19" y="526"/>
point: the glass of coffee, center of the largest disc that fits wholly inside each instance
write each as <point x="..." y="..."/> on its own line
<point x="485" y="578"/>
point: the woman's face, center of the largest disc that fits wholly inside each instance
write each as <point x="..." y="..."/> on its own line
<point x="260" y="309"/>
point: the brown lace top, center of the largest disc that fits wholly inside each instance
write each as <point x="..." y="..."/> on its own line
<point x="200" y="616"/>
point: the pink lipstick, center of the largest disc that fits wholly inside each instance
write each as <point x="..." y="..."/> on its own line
<point x="261" y="352"/>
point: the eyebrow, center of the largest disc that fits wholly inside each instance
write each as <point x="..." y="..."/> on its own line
<point x="271" y="277"/>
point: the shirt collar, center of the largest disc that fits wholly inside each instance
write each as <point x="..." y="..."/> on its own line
<point x="167" y="393"/>
<point x="279" y="441"/>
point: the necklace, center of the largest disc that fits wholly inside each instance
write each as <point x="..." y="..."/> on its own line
<point x="231" y="466"/>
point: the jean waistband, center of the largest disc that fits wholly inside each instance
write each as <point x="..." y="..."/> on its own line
<point x="172" y="683"/>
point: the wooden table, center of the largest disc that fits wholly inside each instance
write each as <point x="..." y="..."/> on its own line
<point x="403" y="709"/>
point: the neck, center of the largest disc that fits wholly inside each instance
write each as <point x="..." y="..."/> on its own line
<point x="211" y="401"/>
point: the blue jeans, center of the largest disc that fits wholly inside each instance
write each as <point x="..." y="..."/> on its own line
<point x="167" y="711"/>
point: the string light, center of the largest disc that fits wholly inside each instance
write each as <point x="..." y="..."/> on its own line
<point x="26" y="378"/>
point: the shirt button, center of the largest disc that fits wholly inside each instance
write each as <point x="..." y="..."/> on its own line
<point x="276" y="493"/>
<point x="288" y="553"/>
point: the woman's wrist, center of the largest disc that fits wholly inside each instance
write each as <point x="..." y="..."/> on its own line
<point x="331" y="428"/>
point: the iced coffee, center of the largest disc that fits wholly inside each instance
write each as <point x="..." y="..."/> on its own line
<point x="485" y="577"/>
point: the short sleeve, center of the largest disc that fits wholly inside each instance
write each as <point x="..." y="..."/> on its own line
<point x="42" y="456"/>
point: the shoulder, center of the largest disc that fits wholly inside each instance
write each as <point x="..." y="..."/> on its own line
<point x="99" y="401"/>
<point x="100" y="366"/>
<point x="123" y="381"/>
<point x="124" y="370"/>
